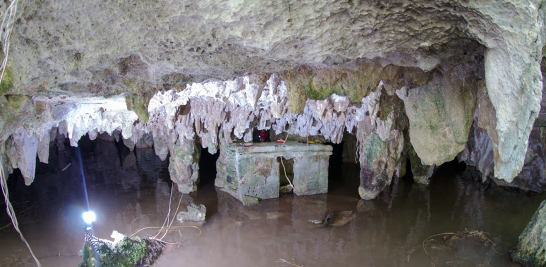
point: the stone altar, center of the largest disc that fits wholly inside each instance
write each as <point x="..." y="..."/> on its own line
<point x="250" y="172"/>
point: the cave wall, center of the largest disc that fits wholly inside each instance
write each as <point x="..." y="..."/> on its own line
<point x="214" y="112"/>
<point x="409" y="79"/>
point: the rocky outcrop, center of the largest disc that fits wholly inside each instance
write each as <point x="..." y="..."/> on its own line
<point x="140" y="69"/>
<point x="440" y="114"/>
<point x="195" y="213"/>
<point x="184" y="165"/>
<point x="531" y="247"/>
<point x="215" y="112"/>
<point x="479" y="151"/>
<point x="513" y="76"/>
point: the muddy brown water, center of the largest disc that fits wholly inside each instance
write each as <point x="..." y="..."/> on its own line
<point x="130" y="191"/>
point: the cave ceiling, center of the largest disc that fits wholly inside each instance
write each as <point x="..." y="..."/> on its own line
<point x="74" y="51"/>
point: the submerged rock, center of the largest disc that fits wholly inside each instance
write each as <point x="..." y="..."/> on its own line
<point x="343" y="218"/>
<point x="335" y="219"/>
<point x="194" y="213"/>
<point x="531" y="250"/>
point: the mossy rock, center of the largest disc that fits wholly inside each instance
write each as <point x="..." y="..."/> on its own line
<point x="16" y="101"/>
<point x="127" y="252"/>
<point x="7" y="81"/>
<point x="295" y="82"/>
<point x="317" y="84"/>
<point x="531" y="250"/>
<point x="373" y="149"/>
<point x="139" y="104"/>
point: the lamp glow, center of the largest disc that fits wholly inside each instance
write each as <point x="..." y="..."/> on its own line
<point x="89" y="217"/>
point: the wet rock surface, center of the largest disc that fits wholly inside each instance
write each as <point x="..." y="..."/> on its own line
<point x="254" y="172"/>
<point x="139" y="70"/>
<point x="136" y="194"/>
<point x="532" y="242"/>
<point x="122" y="252"/>
<point x="195" y="213"/>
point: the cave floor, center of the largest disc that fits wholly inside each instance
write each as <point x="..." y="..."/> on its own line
<point x="130" y="191"/>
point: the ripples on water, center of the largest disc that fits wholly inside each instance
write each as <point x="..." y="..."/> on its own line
<point x="124" y="186"/>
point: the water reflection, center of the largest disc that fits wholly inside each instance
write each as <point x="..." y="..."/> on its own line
<point x="130" y="191"/>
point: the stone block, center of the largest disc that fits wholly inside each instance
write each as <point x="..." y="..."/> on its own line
<point x="254" y="171"/>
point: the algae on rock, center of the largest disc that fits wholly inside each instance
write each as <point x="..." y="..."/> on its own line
<point x="531" y="250"/>
<point x="440" y="115"/>
<point x="7" y="81"/>
<point x="126" y="252"/>
<point x="139" y="104"/>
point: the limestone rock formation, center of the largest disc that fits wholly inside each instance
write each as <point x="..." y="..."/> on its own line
<point x="184" y="165"/>
<point x="531" y="247"/>
<point x="479" y="151"/>
<point x="195" y="213"/>
<point x="400" y="76"/>
<point x="440" y="116"/>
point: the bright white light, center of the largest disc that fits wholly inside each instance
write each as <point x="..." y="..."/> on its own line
<point x="89" y="217"/>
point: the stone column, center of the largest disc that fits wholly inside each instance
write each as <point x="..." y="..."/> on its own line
<point x="184" y="164"/>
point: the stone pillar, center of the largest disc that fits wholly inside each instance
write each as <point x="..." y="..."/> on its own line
<point x="311" y="175"/>
<point x="184" y="164"/>
<point x="371" y="183"/>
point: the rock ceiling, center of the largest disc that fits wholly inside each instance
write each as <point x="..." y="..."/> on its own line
<point x="427" y="51"/>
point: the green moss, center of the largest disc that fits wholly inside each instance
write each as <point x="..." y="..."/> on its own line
<point x="128" y="252"/>
<point x="88" y="257"/>
<point x="132" y="83"/>
<point x="531" y="250"/>
<point x="178" y="81"/>
<point x="317" y="92"/>
<point x="16" y="101"/>
<point x="296" y="83"/>
<point x="318" y="84"/>
<point x="372" y="149"/>
<point x="139" y="104"/>
<point x="356" y="87"/>
<point x="7" y="81"/>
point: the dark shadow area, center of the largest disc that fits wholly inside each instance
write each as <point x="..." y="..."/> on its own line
<point x="258" y="135"/>
<point x="130" y="191"/>
<point x="336" y="161"/>
<point x="207" y="167"/>
<point x="286" y="170"/>
<point x="408" y="177"/>
<point x="448" y="168"/>
<point x="343" y="176"/>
